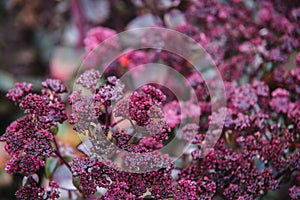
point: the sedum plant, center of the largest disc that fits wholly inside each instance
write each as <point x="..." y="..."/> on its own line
<point x="256" y="49"/>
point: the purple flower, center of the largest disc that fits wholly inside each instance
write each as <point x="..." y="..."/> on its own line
<point x="142" y="101"/>
<point x="294" y="192"/>
<point x="172" y="113"/>
<point x="244" y="97"/>
<point x="20" y="90"/>
<point x="32" y="191"/>
<point x="91" y="174"/>
<point x="25" y="135"/>
<point x="294" y="161"/>
<point x="280" y="100"/>
<point x="262" y="90"/>
<point x="24" y="165"/>
<point x="186" y="189"/>
<point x="190" y="133"/>
<point x="257" y="151"/>
<point x="121" y="108"/>
<point x="149" y="144"/>
<point x="55" y="86"/>
<point x="97" y="35"/>
<point x="158" y="129"/>
<point x="89" y="79"/>
<point x="264" y="15"/>
<point x="110" y="92"/>
<point x="29" y="192"/>
<point x="118" y="190"/>
<point x="294" y="113"/>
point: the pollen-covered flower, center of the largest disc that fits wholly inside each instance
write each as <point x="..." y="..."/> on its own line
<point x="85" y="110"/>
<point x="158" y="129"/>
<point x="121" y="108"/>
<point x="241" y="150"/>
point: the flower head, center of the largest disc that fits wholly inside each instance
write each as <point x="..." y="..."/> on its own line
<point x="244" y="97"/>
<point x="89" y="79"/>
<point x="280" y="100"/>
<point x="142" y="101"/>
<point x="24" y="165"/>
<point x="20" y="90"/>
<point x="294" y="192"/>
<point x="55" y="86"/>
<point x="91" y="174"/>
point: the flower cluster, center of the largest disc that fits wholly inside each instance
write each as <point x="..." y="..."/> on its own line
<point x="34" y="192"/>
<point x="32" y="133"/>
<point x="19" y="92"/>
<point x="29" y="139"/>
<point x="141" y="103"/>
<point x="88" y="108"/>
<point x="90" y="174"/>
<point x="92" y="41"/>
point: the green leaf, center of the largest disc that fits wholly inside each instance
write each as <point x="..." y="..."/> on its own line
<point x="68" y="158"/>
<point x="54" y="130"/>
<point x="76" y="182"/>
<point x="51" y="165"/>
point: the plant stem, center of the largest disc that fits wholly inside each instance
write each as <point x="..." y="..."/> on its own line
<point x="106" y="117"/>
<point x="79" y="19"/>
<point x="115" y="123"/>
<point x="57" y="152"/>
<point x="70" y="194"/>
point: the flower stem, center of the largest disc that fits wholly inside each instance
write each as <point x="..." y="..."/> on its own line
<point x="57" y="152"/>
<point x="106" y="117"/>
<point x="115" y="123"/>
